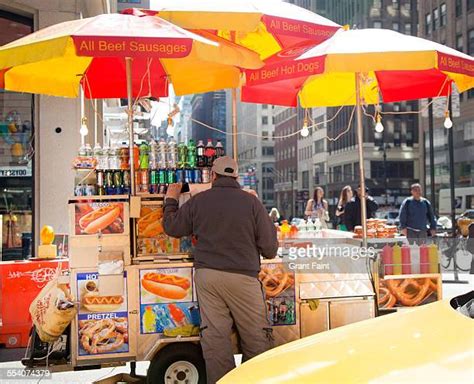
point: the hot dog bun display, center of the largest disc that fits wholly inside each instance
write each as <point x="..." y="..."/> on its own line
<point x="96" y="303"/>
<point x="163" y="285"/>
<point x="93" y="218"/>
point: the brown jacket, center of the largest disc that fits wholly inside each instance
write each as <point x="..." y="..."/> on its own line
<point x="231" y="226"/>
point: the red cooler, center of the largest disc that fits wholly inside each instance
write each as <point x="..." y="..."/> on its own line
<point x="20" y="283"/>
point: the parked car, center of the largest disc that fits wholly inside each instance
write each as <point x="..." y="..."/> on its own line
<point x="392" y="217"/>
<point x="429" y="344"/>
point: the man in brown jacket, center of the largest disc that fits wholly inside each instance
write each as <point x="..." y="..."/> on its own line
<point x="232" y="229"/>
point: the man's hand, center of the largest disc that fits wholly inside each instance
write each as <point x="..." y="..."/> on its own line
<point x="433" y="232"/>
<point x="404" y="232"/>
<point x="174" y="191"/>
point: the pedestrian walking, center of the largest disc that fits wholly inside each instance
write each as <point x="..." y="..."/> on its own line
<point x="233" y="229"/>
<point x="416" y="215"/>
<point x="345" y="196"/>
<point x="274" y="215"/>
<point x="352" y="210"/>
<point x="317" y="207"/>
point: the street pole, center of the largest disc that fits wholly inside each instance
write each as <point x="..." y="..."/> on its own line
<point x="432" y="169"/>
<point x="451" y="173"/>
<point x="385" y="172"/>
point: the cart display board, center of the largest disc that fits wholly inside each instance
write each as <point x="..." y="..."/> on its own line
<point x="103" y="328"/>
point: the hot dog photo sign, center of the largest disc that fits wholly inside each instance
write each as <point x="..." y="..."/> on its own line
<point x="166" y="302"/>
<point x="103" y="217"/>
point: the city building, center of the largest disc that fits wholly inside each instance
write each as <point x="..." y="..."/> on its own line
<point x="450" y="23"/>
<point x="183" y="128"/>
<point x="287" y="122"/>
<point x="256" y="148"/>
<point x="391" y="158"/>
<point x="31" y="194"/>
<point x="210" y="109"/>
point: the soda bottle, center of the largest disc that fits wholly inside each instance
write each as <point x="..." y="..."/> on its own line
<point x="154" y="186"/>
<point x="210" y="153"/>
<point x="219" y="149"/>
<point x="82" y="153"/>
<point x="109" y="182"/>
<point x="126" y="182"/>
<point x="124" y="153"/>
<point x="100" y="182"/>
<point x="154" y="155"/>
<point x="172" y="154"/>
<point x="118" y="182"/>
<point x="88" y="150"/>
<point x="182" y="155"/>
<point x="162" y="149"/>
<point x="97" y="155"/>
<point x="170" y="176"/>
<point x="105" y="163"/>
<point x="114" y="158"/>
<point x="144" y="155"/>
<point x="191" y="154"/>
<point x="149" y="320"/>
<point x="144" y="180"/>
<point x="136" y="157"/>
<point x="200" y="158"/>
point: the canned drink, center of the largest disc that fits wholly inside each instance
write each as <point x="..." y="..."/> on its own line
<point x="100" y="178"/>
<point x="154" y="188"/>
<point x="124" y="158"/>
<point x="188" y="176"/>
<point x="170" y="176"/>
<point x="197" y="178"/>
<point x="153" y="176"/>
<point x="79" y="190"/>
<point x="206" y="177"/>
<point x="126" y="179"/>
<point x="144" y="177"/>
<point x="118" y="190"/>
<point x="180" y="176"/>
<point x="89" y="190"/>
<point x="162" y="176"/>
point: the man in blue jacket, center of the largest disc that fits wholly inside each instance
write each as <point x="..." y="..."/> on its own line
<point x="416" y="215"/>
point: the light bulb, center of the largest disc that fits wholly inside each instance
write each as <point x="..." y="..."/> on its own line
<point x="379" y="126"/>
<point x="305" y="131"/>
<point x="84" y="130"/>
<point x="448" y="123"/>
<point x="169" y="128"/>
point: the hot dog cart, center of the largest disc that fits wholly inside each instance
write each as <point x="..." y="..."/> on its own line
<point x="136" y="299"/>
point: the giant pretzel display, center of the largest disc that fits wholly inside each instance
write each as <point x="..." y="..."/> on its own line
<point x="103" y="336"/>
<point x="275" y="280"/>
<point x="407" y="292"/>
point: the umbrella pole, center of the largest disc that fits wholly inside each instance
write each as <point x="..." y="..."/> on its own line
<point x="360" y="140"/>
<point x="234" y="124"/>
<point x="128" y="70"/>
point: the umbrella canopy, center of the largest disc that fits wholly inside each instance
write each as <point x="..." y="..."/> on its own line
<point x="92" y="52"/>
<point x="393" y="67"/>
<point x="265" y="27"/>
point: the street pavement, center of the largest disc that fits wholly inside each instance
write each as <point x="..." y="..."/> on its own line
<point x="11" y="357"/>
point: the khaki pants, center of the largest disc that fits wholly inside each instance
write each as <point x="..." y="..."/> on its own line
<point x="226" y="298"/>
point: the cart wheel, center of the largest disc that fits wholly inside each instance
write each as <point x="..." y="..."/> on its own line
<point x="178" y="363"/>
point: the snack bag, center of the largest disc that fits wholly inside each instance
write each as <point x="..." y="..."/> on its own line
<point x="52" y="311"/>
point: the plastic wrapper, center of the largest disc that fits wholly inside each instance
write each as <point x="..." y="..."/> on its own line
<point x="52" y="311"/>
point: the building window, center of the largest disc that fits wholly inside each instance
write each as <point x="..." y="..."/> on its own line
<point x="377" y="24"/>
<point x="395" y="4"/>
<point x="435" y="19"/>
<point x="16" y="156"/>
<point x="470" y="4"/>
<point x="408" y="28"/>
<point x="458" y="8"/>
<point x="459" y="43"/>
<point x="395" y="169"/>
<point x="264" y="106"/>
<point x="428" y="23"/>
<point x="319" y="146"/>
<point x="347" y="172"/>
<point x="397" y="133"/>
<point x="264" y="120"/>
<point x="470" y="47"/>
<point x="305" y="179"/>
<point x="337" y="174"/>
<point x="444" y="15"/>
<point x="396" y="26"/>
